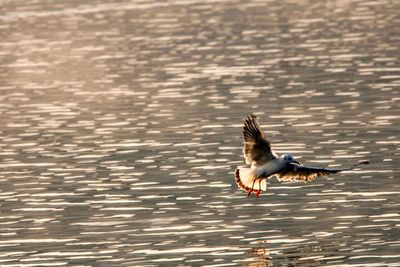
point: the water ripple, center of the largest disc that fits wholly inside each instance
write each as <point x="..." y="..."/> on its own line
<point x="121" y="127"/>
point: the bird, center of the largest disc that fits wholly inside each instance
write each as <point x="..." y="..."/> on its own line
<point x="263" y="163"/>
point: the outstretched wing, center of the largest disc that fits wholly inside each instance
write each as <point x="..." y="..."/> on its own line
<point x="256" y="150"/>
<point x="247" y="179"/>
<point x="299" y="173"/>
<point x="295" y="172"/>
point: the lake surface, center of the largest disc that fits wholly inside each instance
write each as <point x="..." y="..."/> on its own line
<point x="121" y="127"/>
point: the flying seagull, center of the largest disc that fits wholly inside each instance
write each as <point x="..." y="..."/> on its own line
<point x="265" y="164"/>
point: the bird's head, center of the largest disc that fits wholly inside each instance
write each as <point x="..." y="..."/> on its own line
<point x="289" y="159"/>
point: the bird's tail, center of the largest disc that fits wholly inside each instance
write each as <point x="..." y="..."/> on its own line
<point x="247" y="180"/>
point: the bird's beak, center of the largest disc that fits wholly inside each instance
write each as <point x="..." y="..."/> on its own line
<point x="295" y="161"/>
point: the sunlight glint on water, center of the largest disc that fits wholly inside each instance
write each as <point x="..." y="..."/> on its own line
<point x="121" y="128"/>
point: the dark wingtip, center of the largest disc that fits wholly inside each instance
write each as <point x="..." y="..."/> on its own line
<point x="251" y="116"/>
<point x="364" y="162"/>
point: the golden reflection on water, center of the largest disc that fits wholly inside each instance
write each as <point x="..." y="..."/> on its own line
<point x="121" y="126"/>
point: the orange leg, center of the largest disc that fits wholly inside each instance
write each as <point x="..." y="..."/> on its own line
<point x="249" y="192"/>
<point x="252" y="188"/>
<point x="258" y="192"/>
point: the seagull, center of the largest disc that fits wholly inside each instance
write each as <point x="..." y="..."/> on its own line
<point x="264" y="163"/>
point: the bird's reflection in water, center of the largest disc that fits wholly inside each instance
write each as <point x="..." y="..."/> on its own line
<point x="303" y="256"/>
<point x="259" y="256"/>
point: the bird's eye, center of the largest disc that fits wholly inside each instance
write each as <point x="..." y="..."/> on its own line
<point x="288" y="158"/>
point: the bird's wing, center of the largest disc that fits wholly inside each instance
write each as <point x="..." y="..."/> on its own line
<point x="257" y="149"/>
<point x="298" y="173"/>
<point x="247" y="179"/>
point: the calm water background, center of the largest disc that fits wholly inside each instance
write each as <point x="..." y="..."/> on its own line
<point x="120" y="128"/>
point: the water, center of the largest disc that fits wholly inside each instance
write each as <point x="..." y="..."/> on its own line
<point x="121" y="129"/>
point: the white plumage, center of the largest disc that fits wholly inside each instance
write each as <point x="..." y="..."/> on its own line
<point x="264" y="163"/>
